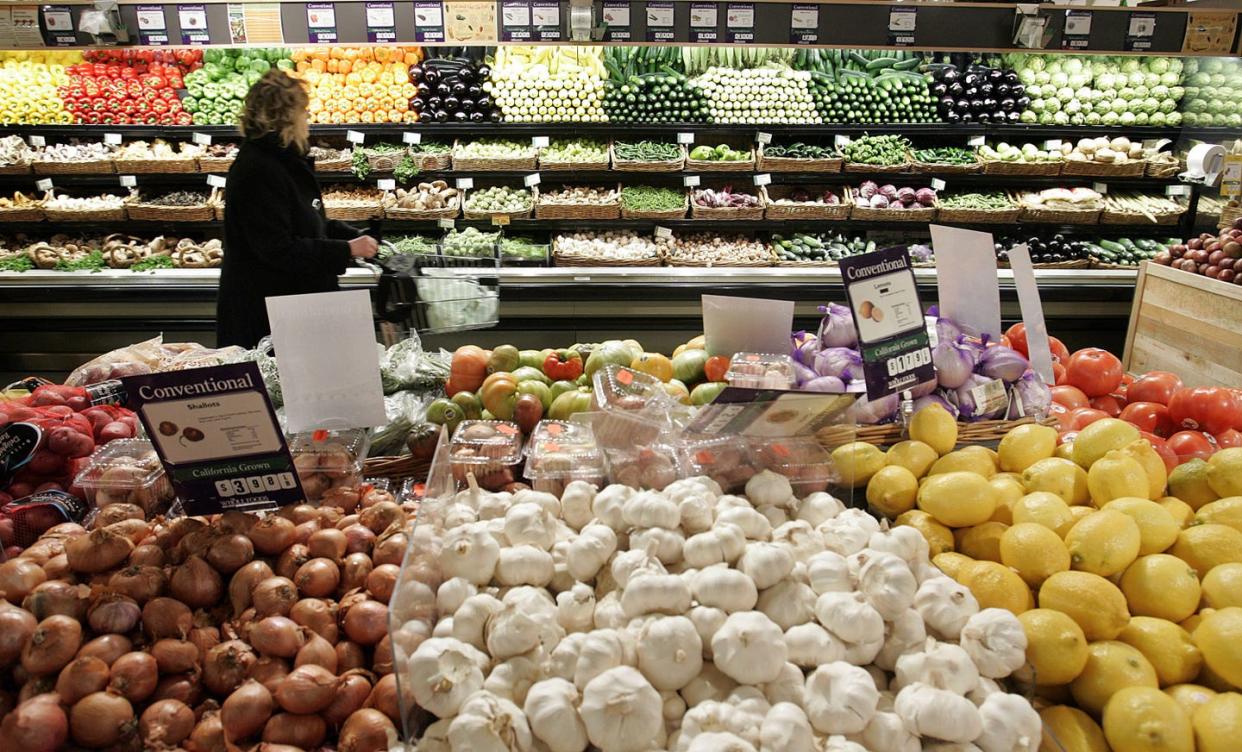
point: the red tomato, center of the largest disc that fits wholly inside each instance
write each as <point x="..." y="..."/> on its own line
<point x="1070" y="396"/>
<point x="1096" y="372"/>
<point x="1229" y="439"/>
<point x="1154" y="386"/>
<point x="1210" y="408"/>
<point x="1059" y="350"/>
<point x="1188" y="445"/>
<point x="1061" y="413"/>
<point x="1152" y="417"/>
<point x="1162" y="448"/>
<point x="1108" y="404"/>
<point x="1081" y="417"/>
<point x="1058" y="373"/>
<point x="1016" y="335"/>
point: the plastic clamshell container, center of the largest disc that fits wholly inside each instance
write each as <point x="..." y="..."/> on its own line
<point x="328" y="459"/>
<point x="752" y="370"/>
<point x="801" y="459"/>
<point x="619" y="429"/>
<point x="126" y="471"/>
<point x="725" y="459"/>
<point x="559" y="453"/>
<point x="621" y="388"/>
<point x="488" y="449"/>
<point x="649" y="468"/>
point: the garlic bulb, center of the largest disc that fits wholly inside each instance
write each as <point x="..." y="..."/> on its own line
<point x="524" y="565"/>
<point x="840" y="698"/>
<point x="509" y="632"/>
<point x="1010" y="724"/>
<point x="488" y="723"/>
<point x="886" y="731"/>
<point x="841" y="744"/>
<point x="622" y="711"/>
<point x="849" y="617"/>
<point x="551" y="709"/>
<point x="788" y="603"/>
<point x="802" y="539"/>
<point x="941" y="665"/>
<point x="818" y="508"/>
<point x="749" y="648"/>
<point x="938" y="713"/>
<point x="776" y="516"/>
<point x="609" y="614"/>
<point x="563" y="660"/>
<point x="785" y="728"/>
<point x="766" y="563"/>
<point x="575" y="608"/>
<point x="829" y="572"/>
<point x="902" y="635"/>
<point x="626" y="563"/>
<point x="887" y="583"/>
<point x="513" y="678"/>
<point x="715" y="716"/>
<point x="719" y="742"/>
<point x="847" y="533"/>
<point x="711" y="685"/>
<point x="469" y="552"/>
<point x="995" y="641"/>
<point x="590" y="550"/>
<point x="452" y="593"/>
<point x="769" y="488"/>
<point x="752" y="524"/>
<point x="904" y="541"/>
<point x="576" y="504"/>
<point x="723" y="544"/>
<point x="655" y="593"/>
<point x="650" y="509"/>
<point x="530" y="524"/>
<point x="810" y="645"/>
<point x="443" y="673"/>
<point x="670" y="652"/>
<point x="602" y="650"/>
<point x="674" y="706"/>
<point x="727" y="589"/>
<point x="470" y="619"/>
<point x="945" y="606"/>
<point x="667" y="545"/>
<point x="608" y="506"/>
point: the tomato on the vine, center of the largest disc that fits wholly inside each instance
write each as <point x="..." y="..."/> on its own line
<point x="1059" y="351"/>
<point x="1213" y="409"/>
<point x="1095" y="371"/>
<point x="1154" y="386"/>
<point x="1152" y="417"/>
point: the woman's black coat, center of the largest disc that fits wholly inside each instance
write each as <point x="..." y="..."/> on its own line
<point x="276" y="239"/>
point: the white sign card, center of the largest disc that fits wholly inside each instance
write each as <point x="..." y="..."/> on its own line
<point x="966" y="282"/>
<point x="1038" y="350"/>
<point x="733" y="325"/>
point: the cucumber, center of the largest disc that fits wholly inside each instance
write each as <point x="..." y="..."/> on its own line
<point x="1112" y="246"/>
<point x="858" y="59"/>
<point x="906" y="65"/>
<point x="881" y="63"/>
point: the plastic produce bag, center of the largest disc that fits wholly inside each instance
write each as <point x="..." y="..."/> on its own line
<point x="406" y="365"/>
<point x="131" y="360"/>
<point x="455" y="304"/>
<point x="405" y="410"/>
<point x="264" y="355"/>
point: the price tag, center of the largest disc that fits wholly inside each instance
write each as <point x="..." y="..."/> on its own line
<point x="663" y="233"/>
<point x="202" y="139"/>
<point x="937" y="184"/>
<point x="464" y="183"/>
<point x="539" y="142"/>
<point x="500" y="220"/>
<point x="583" y="278"/>
<point x="804" y="24"/>
<point x="763" y="138"/>
<point x="355" y="137"/>
<point x="1052" y="143"/>
<point x="44" y="185"/>
<point x="1139" y="32"/>
<point x="128" y="181"/>
<point x="446" y="224"/>
<point x="387" y="184"/>
<point x="112" y="139"/>
<point x="901" y="23"/>
<point x="763" y="179"/>
<point x="38" y="142"/>
<point x="1099" y="187"/>
<point x="990" y="396"/>
<point x="685" y="138"/>
<point x="410" y="137"/>
<point x="977" y="141"/>
<point x="841" y="140"/>
<point x="216" y="181"/>
<point x="690" y="181"/>
<point x="531" y="180"/>
<point x="1177" y="190"/>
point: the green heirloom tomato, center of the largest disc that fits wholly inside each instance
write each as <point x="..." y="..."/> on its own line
<point x="469" y="404"/>
<point x="526" y="373"/>
<point x="613" y="351"/>
<point x="504" y="358"/>
<point x="532" y="358"/>
<point x="705" y="393"/>
<point x="560" y="387"/>
<point x="537" y="388"/>
<point x="577" y="401"/>
<point x="444" y="413"/>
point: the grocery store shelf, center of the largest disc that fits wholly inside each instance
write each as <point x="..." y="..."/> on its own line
<point x="162" y="279"/>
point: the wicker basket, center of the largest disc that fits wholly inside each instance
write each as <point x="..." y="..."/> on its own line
<point x="1097" y="264"/>
<point x="217" y="211"/>
<point x="216" y="164"/>
<point x="727" y="213"/>
<point x="147" y="166"/>
<point x="341" y="164"/>
<point x="544" y="210"/>
<point x="98" y="215"/>
<point x="1228" y="215"/>
<point x="887" y="169"/>
<point x="1071" y="264"/>
<point x="982" y="431"/>
<point x="101" y="166"/>
<point x="418" y="215"/>
<point x="712" y="165"/>
<point x="673" y="261"/>
<point x="433" y="162"/>
<point x="805" y="264"/>
<point x="1103" y="169"/>
<point x="17" y="168"/>
<point x="1044" y="169"/>
<point x="1111" y="217"/>
<point x="468" y="164"/>
<point x="978" y="216"/>
<point x="1060" y="216"/>
<point x="787" y="164"/>
<point x="580" y="261"/>
<point x="772" y="210"/>
<point x="671" y="165"/>
<point x="534" y="199"/>
<point x="1164" y="170"/>
<point x="385" y="162"/>
<point x="21" y="214"/>
<point x="668" y="214"/>
<point x="141" y="212"/>
<point x="354" y="213"/>
<point x="866" y="213"/>
<point x="943" y="168"/>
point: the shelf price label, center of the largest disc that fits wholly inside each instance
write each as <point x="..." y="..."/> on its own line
<point x="937" y="184"/>
<point x="616" y="21"/>
<point x="386" y="184"/>
<point x="1077" y="32"/>
<point x="663" y="233"/>
<point x="842" y="140"/>
<point x="128" y="181"/>
<point x="660" y="21"/>
<point x="500" y="220"/>
<point x="531" y="180"/>
<point x="411" y="137"/>
<point x="465" y="183"/>
<point x="446" y="224"/>
<point x="690" y="181"/>
<point x="44" y="184"/>
<point x="740" y="22"/>
<point x="977" y="141"/>
<point x="763" y="179"/>
<point x="355" y="137"/>
<point x="804" y="24"/>
<point x="1052" y="144"/>
<point x="112" y="139"/>
<point x="37" y="142"/>
<point x="1177" y="190"/>
<point x="685" y="138"/>
<point x="216" y="181"/>
<point x="763" y="138"/>
<point x="540" y="142"/>
<point x="1139" y="32"/>
<point x="1100" y="187"/>
<point x="901" y="25"/>
<point x="202" y="139"/>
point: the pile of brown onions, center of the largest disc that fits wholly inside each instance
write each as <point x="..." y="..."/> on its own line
<point x="205" y="633"/>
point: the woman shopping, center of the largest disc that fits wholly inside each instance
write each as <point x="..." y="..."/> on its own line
<point x="277" y="240"/>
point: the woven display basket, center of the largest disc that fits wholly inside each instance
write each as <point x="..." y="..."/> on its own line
<point x="887" y="169"/>
<point x="944" y="168"/>
<point x="713" y="165"/>
<point x="671" y="165"/>
<point x="727" y="213"/>
<point x="1097" y="264"/>
<point x="669" y="214"/>
<point x="1071" y="264"/>
<point x="1103" y="169"/>
<point x="385" y="162"/>
<point x="1162" y="169"/>
<point x="534" y="199"/>
<point x="433" y="162"/>
<point x="416" y="215"/>
<point x="978" y="216"/>
<point x="217" y="211"/>
<point x="978" y="432"/>
<point x="1060" y="216"/>
<point x="469" y="164"/>
<point x="354" y="213"/>
<point x="787" y="164"/>
<point x="580" y="261"/>
<point x="97" y="167"/>
<point x="148" y="166"/>
<point x="21" y="214"/>
<point x="1111" y="217"/>
<point x="216" y="164"/>
<point x="341" y="164"/>
<point x="97" y="215"/>
<point x="1021" y="168"/>
<point x="673" y="261"/>
<point x="769" y="193"/>
<point x="141" y="212"/>
<point x="807" y="264"/>
<point x="544" y="210"/>
<point x="858" y="211"/>
<point x="17" y="168"/>
<point x="1228" y="216"/>
<point x="554" y="166"/>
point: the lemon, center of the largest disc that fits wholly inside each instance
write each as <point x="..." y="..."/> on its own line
<point x="1077" y="513"/>
<point x="1025" y="445"/>
<point x="980" y="542"/>
<point x="1059" y="476"/>
<point x="957" y="499"/>
<point x="935" y="427"/>
<point x="939" y="538"/>
<point x="1008" y="491"/>
<point x="1103" y="543"/>
<point x="1191" y="623"/>
<point x="964" y="460"/>
<point x="1142" y="719"/>
<point x="1034" y="552"/>
<point x="1100" y="438"/>
<point x="1074" y="730"/>
<point x="1157" y="528"/>
<point x="1214" y="681"/>
<point x="997" y="586"/>
<point x="1055" y="694"/>
<point x="1055" y="646"/>
<point x="1189" y="482"/>
<point x="1190" y="696"/>
<point x="1065" y="451"/>
<point x="1226" y="511"/>
<point x="1116" y="475"/>
<point x="1181" y="511"/>
<point x="1162" y="586"/>
<point x="1153" y="466"/>
<point x="891" y="491"/>
<point x="1219" y="636"/>
<point x="857" y="462"/>
<point x="1225" y="472"/>
<point x="1167" y="646"/>
<point x="1218" y="723"/>
<point x="914" y="456"/>
<point x="1207" y="546"/>
<point x="951" y="563"/>
<point x="1044" y="508"/>
<point x="1111" y="667"/>
<point x="1090" y="600"/>
<point x="1222" y="586"/>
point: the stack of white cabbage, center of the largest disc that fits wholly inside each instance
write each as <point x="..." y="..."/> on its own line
<point x="687" y="620"/>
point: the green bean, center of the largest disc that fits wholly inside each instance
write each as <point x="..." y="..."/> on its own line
<point x="955" y="155"/>
<point x="975" y="201"/>
<point x="646" y="151"/>
<point x="649" y="198"/>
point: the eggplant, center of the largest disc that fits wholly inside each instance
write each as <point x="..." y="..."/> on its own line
<point x="468" y="76"/>
<point x="434" y="103"/>
<point x="983" y="117"/>
<point x="995" y="76"/>
<point x="1007" y="105"/>
<point x="424" y="90"/>
<point x="1002" y="91"/>
<point x="477" y="117"/>
<point x="452" y="104"/>
<point x="483" y="102"/>
<point x="948" y="102"/>
<point x="1017" y="90"/>
<point x="474" y="91"/>
<point x="989" y="104"/>
<point x="968" y="117"/>
<point x="939" y="90"/>
<point x="952" y="116"/>
<point x="956" y="90"/>
<point x="963" y="105"/>
<point x="971" y="79"/>
<point x="432" y="76"/>
<point x="458" y="89"/>
<point x="484" y="72"/>
<point x="426" y="117"/>
<point x="418" y="104"/>
<point x="1014" y="117"/>
<point x="977" y="105"/>
<point x="441" y="116"/>
<point x="466" y="106"/>
<point x="444" y="89"/>
<point x="1011" y="77"/>
<point x="460" y="117"/>
<point x="1023" y="102"/>
<point x="416" y="73"/>
<point x="951" y="76"/>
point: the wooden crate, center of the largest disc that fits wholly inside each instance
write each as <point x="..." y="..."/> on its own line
<point x="1185" y="323"/>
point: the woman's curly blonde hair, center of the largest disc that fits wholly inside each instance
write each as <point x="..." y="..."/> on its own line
<point x="273" y="105"/>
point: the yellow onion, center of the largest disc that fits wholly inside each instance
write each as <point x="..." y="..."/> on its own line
<point x="18" y="577"/>
<point x="166" y="617"/>
<point x="243" y="582"/>
<point x="382" y="581"/>
<point x="367" y="731"/>
<point x="317" y="651"/>
<point x="351" y="695"/>
<point x="305" y="731"/>
<point x="36" y="725"/>
<point x="175" y="656"/>
<point x="112" y="613"/>
<point x="196" y="584"/>
<point x="142" y="583"/>
<point x="274" y="596"/>
<point x="54" y="642"/>
<point x="134" y="676"/>
<point x="16" y="626"/>
<point x="384" y="698"/>
<point x="107" y="648"/>
<point x="246" y="711"/>
<point x="318" y="578"/>
<point x="319" y="616"/>
<point x="227" y="666"/>
<point x="276" y="635"/>
<point x="230" y="553"/>
<point x="98" y="551"/>
<point x="366" y="623"/>
<point x="272" y="535"/>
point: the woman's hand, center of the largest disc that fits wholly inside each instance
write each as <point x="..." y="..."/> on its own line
<point x="363" y="247"/>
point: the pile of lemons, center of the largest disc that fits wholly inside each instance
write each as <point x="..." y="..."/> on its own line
<point x="1127" y="578"/>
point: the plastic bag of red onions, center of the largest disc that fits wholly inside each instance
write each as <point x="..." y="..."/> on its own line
<point x="206" y="634"/>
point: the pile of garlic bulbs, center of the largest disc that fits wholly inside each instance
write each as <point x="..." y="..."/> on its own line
<point x="691" y="621"/>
